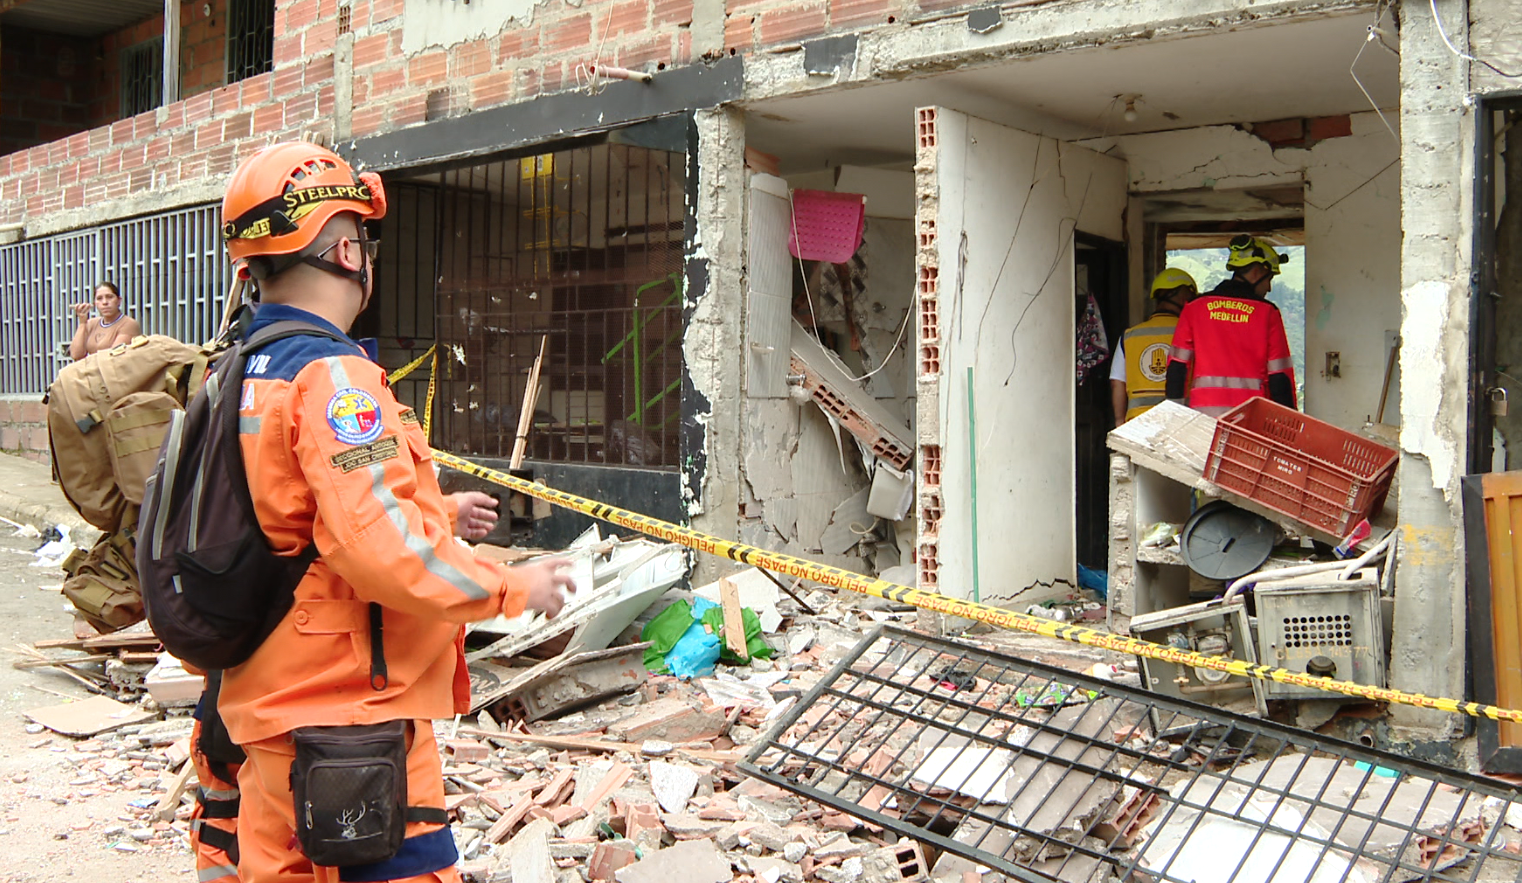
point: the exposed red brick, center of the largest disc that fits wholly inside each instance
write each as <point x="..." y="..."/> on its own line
<point x="516" y="45"/>
<point x="846" y="12"/>
<point x="319" y="39"/>
<point x="623" y="17"/>
<point x="469" y="59"/>
<point x="386" y="82"/>
<point x="572" y="33"/>
<point x="791" y="24"/>
<point x="367" y="119"/>
<point x="1281" y="132"/>
<point x="287" y="49"/>
<point x="491" y="89"/>
<point x="739" y="31"/>
<point x="671" y="12"/>
<point x="300" y="109"/>
<point x="267" y="119"/>
<point x="317" y="71"/>
<point x="1322" y="128"/>
<point x="428" y="68"/>
<point x="371" y="50"/>
<point x="288" y="80"/>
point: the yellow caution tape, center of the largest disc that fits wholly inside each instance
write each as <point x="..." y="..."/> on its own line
<point x="411" y="366"/>
<point x="995" y="616"/>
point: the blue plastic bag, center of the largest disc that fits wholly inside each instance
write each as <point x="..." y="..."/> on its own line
<point x="696" y="651"/>
<point x="1096" y="581"/>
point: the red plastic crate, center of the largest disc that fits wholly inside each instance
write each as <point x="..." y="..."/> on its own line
<point x="1312" y="471"/>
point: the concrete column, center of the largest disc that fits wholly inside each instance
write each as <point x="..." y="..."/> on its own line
<point x="171" y="52"/>
<point x="343" y="87"/>
<point x="1437" y="138"/>
<point x="715" y="306"/>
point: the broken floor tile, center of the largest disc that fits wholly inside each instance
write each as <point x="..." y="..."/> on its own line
<point x="690" y="861"/>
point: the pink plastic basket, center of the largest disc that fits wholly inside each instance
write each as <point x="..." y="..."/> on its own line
<point x="827" y="226"/>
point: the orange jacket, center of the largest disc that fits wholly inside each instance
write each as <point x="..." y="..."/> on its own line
<point x="333" y="458"/>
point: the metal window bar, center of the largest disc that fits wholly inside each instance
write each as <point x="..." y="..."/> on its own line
<point x="250" y="38"/>
<point x="584" y="246"/>
<point x="1042" y="774"/>
<point x="171" y="269"/>
<point x="143" y="77"/>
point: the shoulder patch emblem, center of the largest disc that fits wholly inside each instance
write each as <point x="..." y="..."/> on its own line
<point x="366" y="455"/>
<point x="410" y="416"/>
<point x="355" y="416"/>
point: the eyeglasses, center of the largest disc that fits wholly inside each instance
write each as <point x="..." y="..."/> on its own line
<point x="371" y="247"/>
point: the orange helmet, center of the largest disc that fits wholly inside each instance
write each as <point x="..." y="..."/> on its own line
<point x="280" y="198"/>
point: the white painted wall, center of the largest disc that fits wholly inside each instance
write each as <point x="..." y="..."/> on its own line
<point x="1353" y="240"/>
<point x="1008" y="204"/>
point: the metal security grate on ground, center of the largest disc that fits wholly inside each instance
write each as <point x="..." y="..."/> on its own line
<point x="1042" y="774"/>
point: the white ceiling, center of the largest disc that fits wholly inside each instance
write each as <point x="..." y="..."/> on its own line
<point x="1266" y="72"/>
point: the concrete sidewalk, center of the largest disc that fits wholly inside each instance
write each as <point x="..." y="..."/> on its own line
<point x="28" y="495"/>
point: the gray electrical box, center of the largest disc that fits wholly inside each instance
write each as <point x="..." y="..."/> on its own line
<point x="1213" y="628"/>
<point x="1321" y="625"/>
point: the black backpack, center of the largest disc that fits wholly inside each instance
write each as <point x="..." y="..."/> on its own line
<point x="212" y="589"/>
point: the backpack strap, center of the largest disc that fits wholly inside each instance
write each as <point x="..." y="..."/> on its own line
<point x="263" y="337"/>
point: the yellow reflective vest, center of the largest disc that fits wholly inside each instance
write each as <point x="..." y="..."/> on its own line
<point x="1147" y="346"/>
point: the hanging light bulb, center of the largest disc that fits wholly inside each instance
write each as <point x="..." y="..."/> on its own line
<point x="1130" y="115"/>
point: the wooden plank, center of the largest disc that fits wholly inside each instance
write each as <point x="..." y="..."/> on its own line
<point x="24" y="664"/>
<point x="89" y="717"/>
<point x="734" y="620"/>
<point x="526" y="414"/>
<point x="169" y="804"/>
<point x="609" y="745"/>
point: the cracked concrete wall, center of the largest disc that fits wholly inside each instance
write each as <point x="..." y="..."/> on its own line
<point x="934" y="43"/>
<point x="711" y="347"/>
<point x="1495" y="37"/>
<point x="1437" y="136"/>
<point x="1352" y="231"/>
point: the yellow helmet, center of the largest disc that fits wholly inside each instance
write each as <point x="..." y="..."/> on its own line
<point x="1249" y="250"/>
<point x="1170" y="279"/>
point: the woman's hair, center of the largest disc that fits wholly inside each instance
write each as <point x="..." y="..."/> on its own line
<point x="111" y="285"/>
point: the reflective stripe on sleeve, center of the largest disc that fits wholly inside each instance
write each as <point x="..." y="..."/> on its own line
<point x="1217" y="382"/>
<point x="1275" y="365"/>
<point x="1179" y="354"/>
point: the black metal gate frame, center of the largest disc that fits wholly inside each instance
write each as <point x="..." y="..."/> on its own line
<point x="823" y="749"/>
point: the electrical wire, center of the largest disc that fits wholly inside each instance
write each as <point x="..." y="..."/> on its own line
<point x="1442" y="32"/>
<point x="1374" y="33"/>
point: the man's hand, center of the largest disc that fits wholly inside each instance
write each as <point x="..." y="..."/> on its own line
<point x="82" y="311"/>
<point x="545" y="581"/>
<point x="477" y="514"/>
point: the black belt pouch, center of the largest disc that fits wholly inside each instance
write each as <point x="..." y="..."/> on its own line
<point x="350" y="790"/>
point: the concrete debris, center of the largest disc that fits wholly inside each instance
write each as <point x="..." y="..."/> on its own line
<point x="691" y="861"/>
<point x="576" y="764"/>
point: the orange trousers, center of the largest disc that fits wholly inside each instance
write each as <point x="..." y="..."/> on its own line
<point x="214" y="818"/>
<point x="267" y="820"/>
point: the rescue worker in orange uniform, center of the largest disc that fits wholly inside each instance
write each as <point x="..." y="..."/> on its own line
<point x="214" y="820"/>
<point x="1139" y="370"/>
<point x="1232" y="340"/>
<point x="372" y="648"/>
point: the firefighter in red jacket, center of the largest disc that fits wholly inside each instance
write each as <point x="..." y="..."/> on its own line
<point x="1232" y="340"/>
<point x="372" y="649"/>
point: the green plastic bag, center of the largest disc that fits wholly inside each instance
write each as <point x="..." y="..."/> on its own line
<point x="755" y="645"/>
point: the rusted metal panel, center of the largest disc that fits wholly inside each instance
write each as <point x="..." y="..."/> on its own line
<point x="1493" y="516"/>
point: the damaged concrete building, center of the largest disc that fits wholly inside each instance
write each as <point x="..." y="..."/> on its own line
<point x="615" y="184"/>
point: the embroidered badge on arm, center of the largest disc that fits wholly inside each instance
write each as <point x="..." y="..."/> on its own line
<point x="366" y="455"/>
<point x="355" y="416"/>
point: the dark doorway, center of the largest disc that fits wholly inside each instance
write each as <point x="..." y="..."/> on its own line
<point x="1101" y="268"/>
